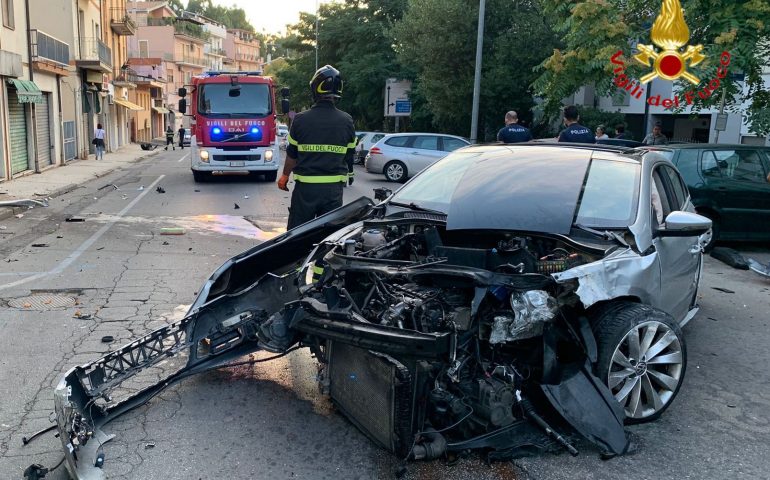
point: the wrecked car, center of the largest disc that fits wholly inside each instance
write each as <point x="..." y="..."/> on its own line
<point x="505" y="300"/>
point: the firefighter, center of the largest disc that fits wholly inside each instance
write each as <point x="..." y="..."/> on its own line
<point x="169" y="138"/>
<point x="320" y="151"/>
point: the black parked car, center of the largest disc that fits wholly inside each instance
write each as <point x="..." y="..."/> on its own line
<point x="730" y="184"/>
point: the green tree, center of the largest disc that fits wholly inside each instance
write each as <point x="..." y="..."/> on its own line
<point x="432" y="41"/>
<point x="353" y="37"/>
<point x="594" y="30"/>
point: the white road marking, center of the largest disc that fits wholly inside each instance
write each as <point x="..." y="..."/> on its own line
<point x="185" y="156"/>
<point x="85" y="245"/>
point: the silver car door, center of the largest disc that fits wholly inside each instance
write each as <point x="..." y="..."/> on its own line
<point x="680" y="257"/>
<point x="423" y="152"/>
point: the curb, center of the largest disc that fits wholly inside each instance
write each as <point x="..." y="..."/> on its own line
<point x="8" y="212"/>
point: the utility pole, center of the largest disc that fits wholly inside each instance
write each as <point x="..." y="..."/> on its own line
<point x="316" y="35"/>
<point x="721" y="112"/>
<point x="477" y="75"/>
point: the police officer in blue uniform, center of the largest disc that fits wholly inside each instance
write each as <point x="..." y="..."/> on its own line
<point x="575" y="133"/>
<point x="512" y="132"/>
<point x="319" y="153"/>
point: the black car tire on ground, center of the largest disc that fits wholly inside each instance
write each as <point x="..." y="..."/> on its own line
<point x="271" y="176"/>
<point x="661" y="365"/>
<point x="200" y="177"/>
<point x="395" y="171"/>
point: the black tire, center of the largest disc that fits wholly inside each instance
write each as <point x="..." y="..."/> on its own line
<point x="200" y="177"/>
<point x="659" y="380"/>
<point x="271" y="176"/>
<point x="715" y="230"/>
<point x="395" y="171"/>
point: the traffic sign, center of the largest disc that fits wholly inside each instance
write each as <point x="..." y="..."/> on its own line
<point x="397" y="103"/>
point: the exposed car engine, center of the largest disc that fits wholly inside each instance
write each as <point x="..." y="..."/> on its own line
<point x="462" y="330"/>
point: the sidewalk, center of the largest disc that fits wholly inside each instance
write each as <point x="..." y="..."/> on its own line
<point x="60" y="180"/>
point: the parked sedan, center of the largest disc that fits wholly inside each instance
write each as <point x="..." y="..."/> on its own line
<point x="402" y="155"/>
<point x="460" y="313"/>
<point x="730" y="184"/>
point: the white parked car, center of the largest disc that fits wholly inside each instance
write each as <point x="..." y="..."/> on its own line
<point x="365" y="141"/>
<point x="283" y="135"/>
<point x="402" y="155"/>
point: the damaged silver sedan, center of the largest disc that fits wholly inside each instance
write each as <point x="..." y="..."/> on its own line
<point x="507" y="300"/>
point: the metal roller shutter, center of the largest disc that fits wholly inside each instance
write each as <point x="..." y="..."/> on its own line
<point x="17" y="124"/>
<point x="43" y="124"/>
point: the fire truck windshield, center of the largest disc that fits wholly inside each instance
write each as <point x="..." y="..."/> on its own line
<point x="222" y="100"/>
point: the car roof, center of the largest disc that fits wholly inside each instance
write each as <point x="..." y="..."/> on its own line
<point x="605" y="152"/>
<point x="710" y="146"/>
<point x="414" y="134"/>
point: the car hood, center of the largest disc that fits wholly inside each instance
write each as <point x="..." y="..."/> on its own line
<point x="536" y="192"/>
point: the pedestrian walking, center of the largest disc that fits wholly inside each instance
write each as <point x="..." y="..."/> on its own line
<point x="169" y="138"/>
<point x="320" y="151"/>
<point x="181" y="132"/>
<point x="620" y="132"/>
<point x="512" y="132"/>
<point x="574" y="132"/>
<point x="656" y="137"/>
<point x="98" y="141"/>
<point x="600" y="135"/>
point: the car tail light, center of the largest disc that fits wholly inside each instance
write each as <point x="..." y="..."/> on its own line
<point x="375" y="151"/>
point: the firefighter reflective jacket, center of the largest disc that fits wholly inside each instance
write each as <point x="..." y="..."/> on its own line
<point x="323" y="141"/>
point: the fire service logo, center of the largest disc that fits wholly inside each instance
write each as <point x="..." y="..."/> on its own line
<point x="669" y="62"/>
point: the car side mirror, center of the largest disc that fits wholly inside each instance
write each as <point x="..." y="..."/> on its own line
<point x="182" y="107"/>
<point x="684" y="224"/>
<point x="182" y="92"/>
<point x="285" y="106"/>
<point x="382" y="193"/>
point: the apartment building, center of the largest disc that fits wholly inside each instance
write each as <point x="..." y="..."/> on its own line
<point x="242" y="48"/>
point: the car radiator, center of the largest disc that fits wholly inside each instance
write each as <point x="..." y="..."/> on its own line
<point x="375" y="392"/>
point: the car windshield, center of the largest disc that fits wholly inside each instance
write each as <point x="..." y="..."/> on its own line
<point x="608" y="199"/>
<point x="222" y="100"/>
<point x="610" y="195"/>
<point x="434" y="189"/>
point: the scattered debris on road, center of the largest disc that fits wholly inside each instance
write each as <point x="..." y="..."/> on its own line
<point x="246" y="197"/>
<point x="74" y="219"/>
<point x="39" y="245"/>
<point x="82" y="316"/>
<point x="730" y="257"/>
<point x="108" y="339"/>
<point x="160" y="189"/>
<point x="19" y="215"/>
<point x="172" y="231"/>
<point x="149" y="445"/>
<point x="25" y="202"/>
<point x="757" y="267"/>
<point x="141" y="187"/>
<point x="108" y="186"/>
<point x="165" y="243"/>
<point x="725" y="290"/>
<point x="236" y="206"/>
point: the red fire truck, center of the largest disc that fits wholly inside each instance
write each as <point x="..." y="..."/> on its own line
<point x="233" y="125"/>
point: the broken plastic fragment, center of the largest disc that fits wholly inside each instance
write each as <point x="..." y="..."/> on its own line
<point x="172" y="231"/>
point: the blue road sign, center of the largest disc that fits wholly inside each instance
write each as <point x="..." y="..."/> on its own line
<point x="403" y="106"/>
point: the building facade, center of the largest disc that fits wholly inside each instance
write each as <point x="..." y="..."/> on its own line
<point x="242" y="48"/>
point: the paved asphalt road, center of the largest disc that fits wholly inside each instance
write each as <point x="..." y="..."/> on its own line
<point x="268" y="421"/>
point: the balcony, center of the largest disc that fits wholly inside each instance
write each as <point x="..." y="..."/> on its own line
<point x="215" y="51"/>
<point x="94" y="55"/>
<point x="121" y="22"/>
<point x="49" y="54"/>
<point x="181" y="27"/>
<point x="155" y="54"/>
<point x="190" y="60"/>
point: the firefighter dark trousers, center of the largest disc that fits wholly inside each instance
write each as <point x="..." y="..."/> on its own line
<point x="310" y="200"/>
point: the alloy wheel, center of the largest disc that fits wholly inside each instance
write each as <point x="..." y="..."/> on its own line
<point x="646" y="369"/>
<point x="394" y="172"/>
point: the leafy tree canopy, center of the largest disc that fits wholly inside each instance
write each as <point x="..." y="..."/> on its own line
<point x="593" y="30"/>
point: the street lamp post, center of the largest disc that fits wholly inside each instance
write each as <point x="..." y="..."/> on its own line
<point x="477" y="75"/>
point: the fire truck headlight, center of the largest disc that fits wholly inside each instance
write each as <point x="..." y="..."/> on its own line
<point x="269" y="156"/>
<point x="204" y="156"/>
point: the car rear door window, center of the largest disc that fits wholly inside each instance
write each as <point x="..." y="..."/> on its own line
<point x="687" y="163"/>
<point x="426" y="142"/>
<point x="377" y="138"/>
<point x="450" y="144"/>
<point x="742" y="165"/>
<point x="399" y="141"/>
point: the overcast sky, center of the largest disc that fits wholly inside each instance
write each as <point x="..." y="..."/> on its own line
<point x="272" y="15"/>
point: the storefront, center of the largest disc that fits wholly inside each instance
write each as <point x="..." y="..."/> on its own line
<point x="22" y="94"/>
